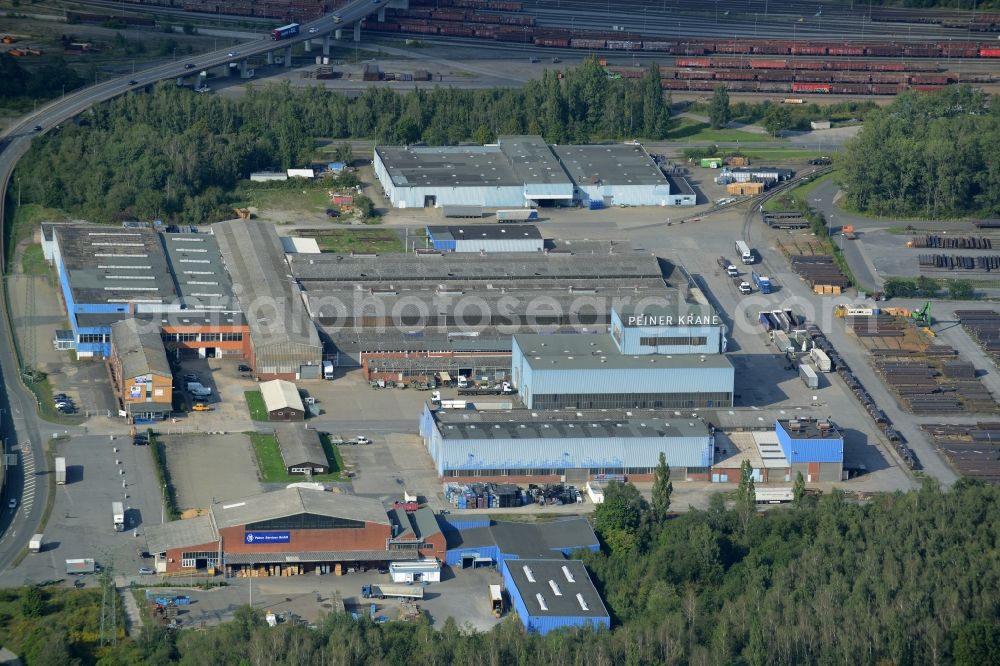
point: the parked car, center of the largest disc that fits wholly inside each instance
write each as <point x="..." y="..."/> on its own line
<point x="12" y="504"/>
<point x="200" y="407"/>
<point x="146" y="571"/>
<point x="38" y="128"/>
<point x="332" y="212"/>
<point x="191" y="377"/>
<point x="312" y="30"/>
<point x="361" y="439"/>
<point x="189" y="66"/>
<point x="243" y="368"/>
<point x="133" y="82"/>
<point x="140" y="440"/>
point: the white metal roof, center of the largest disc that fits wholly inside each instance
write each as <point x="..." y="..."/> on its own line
<point x="281" y="394"/>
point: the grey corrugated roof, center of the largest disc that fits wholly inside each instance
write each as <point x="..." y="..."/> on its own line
<point x="114" y="265"/>
<point x="616" y="164"/>
<point x="299" y="445"/>
<point x="484" y="231"/>
<point x="533" y="162"/>
<point x="679" y="185"/>
<point x="263" y="285"/>
<point x="281" y="394"/>
<point x="180" y="534"/>
<point x="294" y="501"/>
<point x="321" y="556"/>
<point x="599" y="351"/>
<point x="533" y="424"/>
<point x="451" y="166"/>
<point x="140" y="349"/>
<point x="544" y="578"/>
<point x="426" y="522"/>
<point x="544" y="539"/>
<point x="199" y="272"/>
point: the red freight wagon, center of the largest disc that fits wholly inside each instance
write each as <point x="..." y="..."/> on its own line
<point x="702" y="85"/>
<point x="729" y="63"/>
<point x="884" y="89"/>
<point x="769" y="64"/>
<point x="620" y="45"/>
<point x="694" y="62"/>
<point x="691" y="49"/>
<point x="418" y="27"/>
<point x="457" y="31"/>
<point x="850" y="89"/>
<point x="775" y="75"/>
<point x="767" y="86"/>
<point x="806" y="64"/>
<point x="846" y="50"/>
<point x="382" y="27"/>
<point x="808" y="50"/>
<point x="927" y="88"/>
<point x="560" y="42"/>
<point x="886" y="50"/>
<point x="850" y="76"/>
<point x="888" y="67"/>
<point x="921" y="51"/>
<point x="811" y="87"/>
<point x="816" y="77"/>
<point x="448" y="15"/>
<point x="930" y="79"/>
<point x="665" y="47"/>
<point x="888" y="78"/>
<point x="693" y="74"/>
<point x="742" y="86"/>
<point x="587" y="43"/>
<point x="989" y="53"/>
<point x="486" y="32"/>
<point x="673" y="84"/>
<point x="734" y="75"/>
<point x="771" y="48"/>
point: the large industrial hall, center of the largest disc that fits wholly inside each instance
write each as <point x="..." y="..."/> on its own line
<point x="520" y="171"/>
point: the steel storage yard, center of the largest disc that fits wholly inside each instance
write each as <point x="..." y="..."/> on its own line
<point x="283" y="339"/>
<point x="547" y="445"/>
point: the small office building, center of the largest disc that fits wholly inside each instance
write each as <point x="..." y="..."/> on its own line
<point x="143" y="381"/>
<point x="812" y="446"/>
<point x="282" y="400"/>
<point x="553" y="594"/>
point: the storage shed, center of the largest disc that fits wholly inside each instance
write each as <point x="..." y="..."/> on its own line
<point x="486" y="238"/>
<point x="553" y="594"/>
<point x="301" y="449"/>
<point x="282" y="400"/>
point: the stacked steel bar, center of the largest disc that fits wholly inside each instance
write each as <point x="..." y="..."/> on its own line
<point x="974" y="451"/>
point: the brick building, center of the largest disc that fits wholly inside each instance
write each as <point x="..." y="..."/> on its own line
<point x="142" y="378"/>
<point x="292" y="531"/>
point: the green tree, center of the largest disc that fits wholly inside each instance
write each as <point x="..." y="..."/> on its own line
<point x="977" y="643"/>
<point x="960" y="290"/>
<point x="718" y="108"/>
<point x="799" y="489"/>
<point x="619" y="517"/>
<point x="32" y="601"/>
<point x="746" y="497"/>
<point x="662" y="489"/>
<point x="777" y="119"/>
<point x="364" y="206"/>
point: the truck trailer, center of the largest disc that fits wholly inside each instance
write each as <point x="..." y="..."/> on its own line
<point x="496" y="600"/>
<point x="60" y="471"/>
<point x="763" y="283"/>
<point x="822" y="361"/>
<point x="808" y="376"/>
<point x="81" y="566"/>
<point x="517" y="215"/>
<point x="285" y="31"/>
<point x="383" y="591"/>
<point x="35" y="545"/>
<point x="118" y="514"/>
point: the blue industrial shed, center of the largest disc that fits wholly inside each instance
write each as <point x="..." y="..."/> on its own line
<point x="485" y="542"/>
<point x="813" y="447"/>
<point x="553" y="594"/>
<point x="485" y="238"/>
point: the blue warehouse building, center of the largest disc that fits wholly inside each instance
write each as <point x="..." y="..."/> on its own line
<point x="658" y="357"/>
<point x="553" y="594"/>
<point x="482" y="238"/>
<point x="483" y="542"/>
<point x="813" y="447"/>
<point x="544" y="446"/>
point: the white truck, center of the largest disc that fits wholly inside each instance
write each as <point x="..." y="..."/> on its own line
<point x="81" y="566"/>
<point x="327" y="369"/>
<point x="743" y="250"/>
<point x="60" y="471"/>
<point x="35" y="545"/>
<point x="118" y="513"/>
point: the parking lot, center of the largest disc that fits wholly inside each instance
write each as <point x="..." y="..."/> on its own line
<point x="81" y="523"/>
<point x="229" y="410"/>
<point x="461" y="595"/>
<point x="204" y="468"/>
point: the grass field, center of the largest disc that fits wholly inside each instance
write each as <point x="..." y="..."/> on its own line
<point x="33" y="262"/>
<point x="382" y="241"/>
<point x="255" y="405"/>
<point x="692" y="130"/>
<point x="272" y="467"/>
<point x="309" y="199"/>
<point x="801" y="193"/>
<point x="26" y="219"/>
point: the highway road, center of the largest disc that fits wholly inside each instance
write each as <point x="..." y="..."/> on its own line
<point x="24" y="433"/>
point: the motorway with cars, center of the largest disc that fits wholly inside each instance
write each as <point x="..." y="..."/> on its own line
<point x="24" y="433"/>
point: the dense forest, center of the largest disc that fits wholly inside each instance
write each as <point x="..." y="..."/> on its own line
<point x="902" y="579"/>
<point x="927" y="156"/>
<point x="43" y="82"/>
<point x="175" y="155"/>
